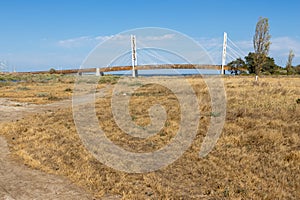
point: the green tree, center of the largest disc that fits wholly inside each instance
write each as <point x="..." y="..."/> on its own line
<point x="297" y="69"/>
<point x="52" y="71"/>
<point x="250" y="63"/>
<point x="289" y="66"/>
<point x="268" y="67"/>
<point x="261" y="43"/>
<point x="236" y="65"/>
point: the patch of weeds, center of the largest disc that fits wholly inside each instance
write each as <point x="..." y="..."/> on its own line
<point x="133" y="118"/>
<point x="298" y="101"/>
<point x="42" y="94"/>
<point x="167" y="124"/>
<point x="226" y="192"/>
<point x="240" y="190"/>
<point x="24" y="88"/>
<point x="139" y="94"/>
<point x="43" y="78"/>
<point x="9" y="77"/>
<point x="153" y="94"/>
<point x="122" y="83"/>
<point x="5" y="83"/>
<point x="32" y="78"/>
<point x="53" y="98"/>
<point x="135" y="84"/>
<point x="162" y="133"/>
<point x="292" y="107"/>
<point x="68" y="90"/>
<point x="108" y="79"/>
<point x="213" y="114"/>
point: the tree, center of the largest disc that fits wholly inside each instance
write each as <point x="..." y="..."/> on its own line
<point x="289" y="66"/>
<point x="297" y="69"/>
<point x="52" y="71"/>
<point x="268" y="67"/>
<point x="236" y="65"/>
<point x="261" y="43"/>
<point x="250" y="63"/>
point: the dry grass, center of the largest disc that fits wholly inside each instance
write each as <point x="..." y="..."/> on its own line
<point x="36" y="89"/>
<point x="41" y="88"/>
<point x="41" y="93"/>
<point x="256" y="157"/>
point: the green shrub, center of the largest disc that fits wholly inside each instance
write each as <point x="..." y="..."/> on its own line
<point x="52" y="71"/>
<point x="108" y="79"/>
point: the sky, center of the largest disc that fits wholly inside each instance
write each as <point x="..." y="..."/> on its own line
<point x="60" y="34"/>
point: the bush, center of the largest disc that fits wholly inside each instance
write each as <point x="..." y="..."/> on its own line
<point x="109" y="79"/>
<point x="52" y="71"/>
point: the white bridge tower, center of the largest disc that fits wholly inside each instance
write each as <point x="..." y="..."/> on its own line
<point x="224" y="53"/>
<point x="134" y="56"/>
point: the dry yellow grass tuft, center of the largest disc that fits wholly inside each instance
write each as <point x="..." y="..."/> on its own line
<point x="256" y="157"/>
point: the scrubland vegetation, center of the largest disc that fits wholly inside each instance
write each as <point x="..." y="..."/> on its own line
<point x="256" y="157"/>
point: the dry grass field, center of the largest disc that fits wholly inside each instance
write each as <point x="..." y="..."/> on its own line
<point x="256" y="157"/>
<point x="36" y="89"/>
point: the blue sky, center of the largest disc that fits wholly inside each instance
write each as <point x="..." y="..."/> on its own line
<point x="38" y="35"/>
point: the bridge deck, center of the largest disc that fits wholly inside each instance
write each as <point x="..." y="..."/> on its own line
<point x="139" y="67"/>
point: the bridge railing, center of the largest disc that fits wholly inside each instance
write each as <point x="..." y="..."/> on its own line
<point x="138" y="67"/>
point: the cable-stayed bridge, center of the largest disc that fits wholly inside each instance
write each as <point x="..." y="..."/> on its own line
<point x="129" y="61"/>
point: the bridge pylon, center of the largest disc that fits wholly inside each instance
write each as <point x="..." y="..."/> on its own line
<point x="134" y="56"/>
<point x="224" y="53"/>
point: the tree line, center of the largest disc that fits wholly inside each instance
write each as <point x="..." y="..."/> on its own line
<point x="258" y="62"/>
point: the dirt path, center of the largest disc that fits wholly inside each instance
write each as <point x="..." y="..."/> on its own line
<point x="11" y="111"/>
<point x="20" y="182"/>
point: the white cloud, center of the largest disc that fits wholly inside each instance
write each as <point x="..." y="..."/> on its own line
<point x="280" y="48"/>
<point x="159" y="38"/>
<point x="73" y="41"/>
<point x="285" y="43"/>
<point x="245" y="45"/>
<point x="209" y="43"/>
<point x="90" y="40"/>
<point x="82" y="41"/>
<point x="103" y="38"/>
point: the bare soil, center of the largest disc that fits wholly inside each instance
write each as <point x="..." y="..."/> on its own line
<point x="17" y="181"/>
<point x="20" y="182"/>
